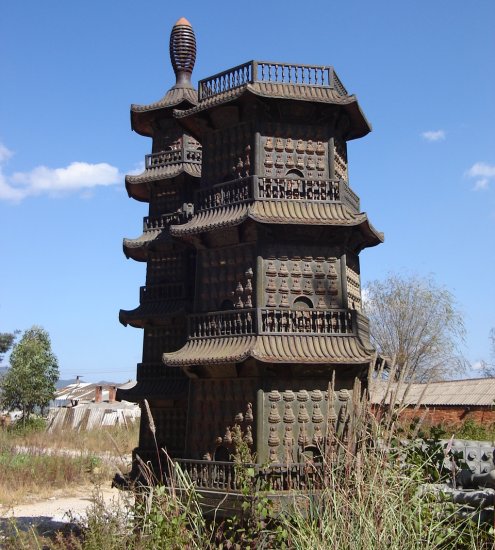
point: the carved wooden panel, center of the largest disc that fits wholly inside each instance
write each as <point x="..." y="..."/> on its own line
<point x="295" y="420"/>
<point x="169" y="267"/>
<point x="170" y="136"/>
<point x="297" y="156"/>
<point x="302" y="282"/>
<point x="226" y="279"/>
<point x="340" y="159"/>
<point x="157" y="341"/>
<point x="171" y="427"/>
<point x="227" y="154"/>
<point x="210" y="425"/>
<point x="353" y="281"/>
<point x="165" y="198"/>
<point x="353" y="289"/>
<point x="170" y="423"/>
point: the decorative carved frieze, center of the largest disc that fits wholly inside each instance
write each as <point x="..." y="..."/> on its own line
<point x="227" y="153"/>
<point x="313" y="421"/>
<point x="340" y="159"/>
<point x="306" y="159"/>
<point x="226" y="278"/>
<point x="353" y="289"/>
<point x="287" y="280"/>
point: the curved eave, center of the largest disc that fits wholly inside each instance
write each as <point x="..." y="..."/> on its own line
<point x="282" y="212"/>
<point x="137" y="249"/>
<point x="142" y="116"/>
<point x="210" y="220"/>
<point x="152" y="314"/>
<point x="359" y="126"/>
<point x="137" y="186"/>
<point x="370" y="236"/>
<point x="330" y="350"/>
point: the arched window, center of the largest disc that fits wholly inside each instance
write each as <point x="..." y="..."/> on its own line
<point x="294" y="174"/>
<point x="303" y="303"/>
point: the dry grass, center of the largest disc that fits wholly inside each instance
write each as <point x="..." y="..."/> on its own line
<point x="35" y="465"/>
<point x="108" y="440"/>
<point x="31" y="475"/>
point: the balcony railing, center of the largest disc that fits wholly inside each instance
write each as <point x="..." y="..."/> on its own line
<point x="267" y="71"/>
<point x="257" y="188"/>
<point x="161" y="222"/>
<point x="174" y="156"/>
<point x="227" y="477"/>
<point x="348" y="197"/>
<point x="223" y="194"/>
<point x="222" y="323"/>
<point x="298" y="189"/>
<point x="244" y="322"/>
<point x="307" y="321"/>
<point x="157" y="293"/>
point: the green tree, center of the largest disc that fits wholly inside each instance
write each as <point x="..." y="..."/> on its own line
<point x="30" y="380"/>
<point x="417" y="322"/>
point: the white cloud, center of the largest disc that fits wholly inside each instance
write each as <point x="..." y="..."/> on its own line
<point x="483" y="173"/>
<point x="481" y="185"/>
<point x="434" y="135"/>
<point x="5" y="153"/>
<point x="41" y="180"/>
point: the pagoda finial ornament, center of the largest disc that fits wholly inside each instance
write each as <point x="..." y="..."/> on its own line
<point x="182" y="52"/>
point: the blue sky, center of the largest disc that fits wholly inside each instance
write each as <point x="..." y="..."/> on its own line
<point x="424" y="75"/>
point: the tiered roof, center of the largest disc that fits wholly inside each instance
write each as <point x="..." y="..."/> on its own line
<point x="278" y="348"/>
<point x="274" y="80"/>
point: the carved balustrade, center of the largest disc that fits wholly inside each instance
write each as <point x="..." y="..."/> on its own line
<point x="173" y="156"/>
<point x="206" y="474"/>
<point x="298" y="189"/>
<point x="307" y="321"/>
<point x="348" y="197"/>
<point x="267" y="71"/>
<point x="273" y="321"/>
<point x="226" y="81"/>
<point x="258" y="188"/>
<point x="161" y="222"/>
<point x="223" y="194"/>
<point x="224" y="476"/>
<point x="222" y="323"/>
<point x="157" y="293"/>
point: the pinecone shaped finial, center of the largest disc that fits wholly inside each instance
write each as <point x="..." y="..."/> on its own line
<point x="182" y="52"/>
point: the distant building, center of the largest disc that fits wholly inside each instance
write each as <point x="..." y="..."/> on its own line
<point x="450" y="402"/>
<point x="86" y="406"/>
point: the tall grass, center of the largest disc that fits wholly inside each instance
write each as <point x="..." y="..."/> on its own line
<point x="379" y="506"/>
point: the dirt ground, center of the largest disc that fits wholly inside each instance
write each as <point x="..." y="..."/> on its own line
<point x="53" y="513"/>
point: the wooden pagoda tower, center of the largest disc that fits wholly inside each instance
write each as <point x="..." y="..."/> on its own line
<point x="252" y="301"/>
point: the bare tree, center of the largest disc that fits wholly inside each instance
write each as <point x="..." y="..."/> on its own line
<point x="418" y="322"/>
<point x="488" y="368"/>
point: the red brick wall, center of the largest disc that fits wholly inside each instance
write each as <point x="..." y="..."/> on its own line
<point x="451" y="415"/>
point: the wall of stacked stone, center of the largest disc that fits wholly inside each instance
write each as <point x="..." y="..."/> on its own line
<point x="450" y="414"/>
